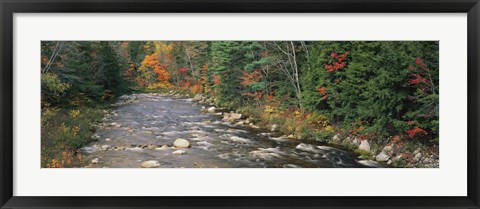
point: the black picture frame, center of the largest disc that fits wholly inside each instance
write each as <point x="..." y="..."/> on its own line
<point x="9" y="7"/>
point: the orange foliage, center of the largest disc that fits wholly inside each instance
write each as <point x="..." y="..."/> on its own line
<point x="152" y="63"/>
<point x="250" y="78"/>
<point x="216" y="79"/>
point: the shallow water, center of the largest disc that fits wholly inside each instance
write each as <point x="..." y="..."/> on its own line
<point x="135" y="130"/>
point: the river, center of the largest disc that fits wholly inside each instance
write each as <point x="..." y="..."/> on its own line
<point x="145" y="128"/>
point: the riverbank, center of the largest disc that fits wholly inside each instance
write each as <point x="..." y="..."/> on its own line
<point x="295" y="126"/>
<point x="64" y="132"/>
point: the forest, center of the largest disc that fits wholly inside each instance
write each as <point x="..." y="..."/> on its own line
<point x="379" y="92"/>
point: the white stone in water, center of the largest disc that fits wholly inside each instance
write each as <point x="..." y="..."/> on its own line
<point x="150" y="164"/>
<point x="181" y="143"/>
<point x="95" y="161"/>
<point x="179" y="152"/>
<point x="106" y="147"/>
<point x="211" y="109"/>
<point x="135" y="149"/>
<point x="108" y="139"/>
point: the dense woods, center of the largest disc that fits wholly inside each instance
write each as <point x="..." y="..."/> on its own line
<point x="383" y="92"/>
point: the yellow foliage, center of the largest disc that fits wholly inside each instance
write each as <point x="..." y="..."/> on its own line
<point x="319" y="121"/>
<point x="329" y="129"/>
<point x="75" y="113"/>
<point x="269" y="109"/>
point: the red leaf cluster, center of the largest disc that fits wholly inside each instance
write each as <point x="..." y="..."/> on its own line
<point x="339" y="62"/>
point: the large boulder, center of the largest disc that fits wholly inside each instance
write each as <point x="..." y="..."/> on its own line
<point x="150" y="164"/>
<point x="364" y="145"/>
<point x="181" y="143"/>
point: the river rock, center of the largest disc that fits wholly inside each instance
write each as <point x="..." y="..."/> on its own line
<point x="382" y="157"/>
<point x="197" y="97"/>
<point x="336" y="138"/>
<point x="181" y="143"/>
<point x="95" y="161"/>
<point x="90" y="150"/>
<point x="150" y="164"/>
<point x="211" y="109"/>
<point x="418" y="156"/>
<point x="235" y="116"/>
<point x="106" y="147"/>
<point x="179" y="152"/>
<point x="163" y="147"/>
<point x="356" y="141"/>
<point x="95" y="137"/>
<point x="134" y="149"/>
<point x="364" y="145"/>
<point x="226" y="117"/>
<point x="274" y="128"/>
<point x="390" y="150"/>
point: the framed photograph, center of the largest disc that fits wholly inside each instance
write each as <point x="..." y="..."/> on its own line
<point x="239" y="104"/>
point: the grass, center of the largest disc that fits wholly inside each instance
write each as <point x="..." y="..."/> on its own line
<point x="64" y="132"/>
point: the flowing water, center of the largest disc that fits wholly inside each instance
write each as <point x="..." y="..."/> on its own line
<point x="135" y="132"/>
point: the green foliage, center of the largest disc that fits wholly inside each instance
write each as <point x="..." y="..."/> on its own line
<point x="227" y="60"/>
<point x="110" y="70"/>
<point x="81" y="72"/>
<point x="373" y="86"/>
